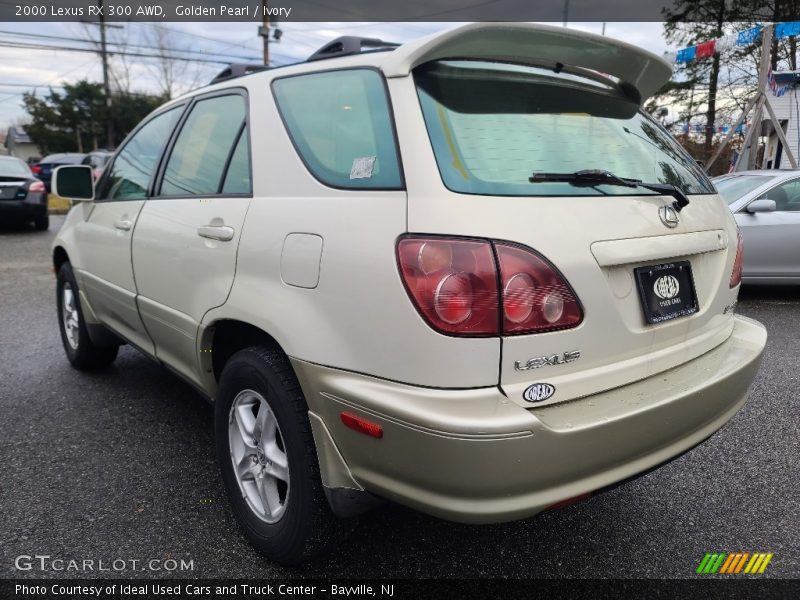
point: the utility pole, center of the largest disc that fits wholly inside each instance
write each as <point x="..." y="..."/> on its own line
<point x="264" y="31"/>
<point x="106" y="83"/>
<point x="763" y="73"/>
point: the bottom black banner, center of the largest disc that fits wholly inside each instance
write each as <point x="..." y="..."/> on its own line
<point x="122" y="589"/>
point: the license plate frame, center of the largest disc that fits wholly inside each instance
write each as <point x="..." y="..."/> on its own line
<point x="666" y="291"/>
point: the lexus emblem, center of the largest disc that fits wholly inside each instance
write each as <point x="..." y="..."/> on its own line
<point x="539" y="392"/>
<point x="666" y="287"/>
<point x="669" y="216"/>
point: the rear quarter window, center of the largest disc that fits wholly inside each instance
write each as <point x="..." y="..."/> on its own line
<point x="342" y="128"/>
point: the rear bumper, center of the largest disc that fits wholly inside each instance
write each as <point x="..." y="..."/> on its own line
<point x="30" y="208"/>
<point x="474" y="456"/>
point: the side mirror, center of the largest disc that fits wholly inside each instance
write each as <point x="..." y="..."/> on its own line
<point x="74" y="182"/>
<point x="762" y="205"/>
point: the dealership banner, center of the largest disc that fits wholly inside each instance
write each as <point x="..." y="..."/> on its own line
<point x="400" y="589"/>
<point x="344" y="10"/>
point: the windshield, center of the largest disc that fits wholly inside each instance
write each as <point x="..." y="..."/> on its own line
<point x="12" y="167"/>
<point x="492" y="125"/>
<point x="735" y="187"/>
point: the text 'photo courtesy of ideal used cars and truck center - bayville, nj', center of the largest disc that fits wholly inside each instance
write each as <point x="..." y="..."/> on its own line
<point x="400" y="308"/>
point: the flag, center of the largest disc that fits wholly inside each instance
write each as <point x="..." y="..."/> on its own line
<point x="783" y="30"/>
<point x="705" y="49"/>
<point x="748" y="36"/>
<point x="686" y="55"/>
<point x="725" y="43"/>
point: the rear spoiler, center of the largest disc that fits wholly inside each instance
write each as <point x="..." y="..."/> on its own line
<point x="536" y="44"/>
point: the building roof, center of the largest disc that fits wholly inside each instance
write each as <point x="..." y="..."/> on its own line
<point x="17" y="135"/>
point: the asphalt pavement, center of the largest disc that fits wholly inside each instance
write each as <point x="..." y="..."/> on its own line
<point x="119" y="465"/>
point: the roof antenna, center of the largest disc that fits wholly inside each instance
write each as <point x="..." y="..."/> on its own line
<point x="558" y="68"/>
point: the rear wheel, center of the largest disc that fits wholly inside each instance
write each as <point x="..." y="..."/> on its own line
<point x="81" y="352"/>
<point x="42" y="223"/>
<point x="268" y="459"/>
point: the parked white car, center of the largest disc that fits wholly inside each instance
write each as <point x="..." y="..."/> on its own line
<point x="454" y="275"/>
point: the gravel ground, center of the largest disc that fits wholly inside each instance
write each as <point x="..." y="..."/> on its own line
<point x="120" y="465"/>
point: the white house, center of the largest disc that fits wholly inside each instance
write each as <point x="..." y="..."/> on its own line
<point x="19" y="144"/>
<point x="784" y="97"/>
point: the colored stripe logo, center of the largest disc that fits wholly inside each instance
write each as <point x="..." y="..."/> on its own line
<point x="753" y="563"/>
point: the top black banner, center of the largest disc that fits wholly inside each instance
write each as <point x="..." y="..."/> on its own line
<point x="355" y="10"/>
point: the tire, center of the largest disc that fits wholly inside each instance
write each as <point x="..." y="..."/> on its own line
<point x="42" y="223"/>
<point x="300" y="525"/>
<point x="81" y="352"/>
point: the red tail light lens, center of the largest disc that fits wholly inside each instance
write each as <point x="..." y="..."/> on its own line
<point x="453" y="283"/>
<point x="36" y="186"/>
<point x="36" y="169"/>
<point x="536" y="297"/>
<point x="736" y="275"/>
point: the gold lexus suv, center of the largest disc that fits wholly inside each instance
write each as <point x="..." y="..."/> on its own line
<point x="467" y="274"/>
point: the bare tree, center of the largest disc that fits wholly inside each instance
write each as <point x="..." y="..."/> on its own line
<point x="174" y="76"/>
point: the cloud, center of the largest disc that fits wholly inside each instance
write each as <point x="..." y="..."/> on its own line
<point x="203" y="39"/>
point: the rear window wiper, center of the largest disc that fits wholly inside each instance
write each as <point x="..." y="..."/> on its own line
<point x="593" y="177"/>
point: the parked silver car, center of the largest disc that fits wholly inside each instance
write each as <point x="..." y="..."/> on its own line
<point x="766" y="206"/>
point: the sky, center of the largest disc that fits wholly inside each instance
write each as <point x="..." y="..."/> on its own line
<point x="22" y="68"/>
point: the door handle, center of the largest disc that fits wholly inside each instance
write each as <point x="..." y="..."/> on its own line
<point x="124" y="224"/>
<point x="222" y="233"/>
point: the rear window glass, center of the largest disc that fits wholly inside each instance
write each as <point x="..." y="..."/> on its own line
<point x="340" y="124"/>
<point x="736" y="187"/>
<point x="492" y="125"/>
<point x="12" y="167"/>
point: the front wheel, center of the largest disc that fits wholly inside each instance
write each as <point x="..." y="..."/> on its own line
<point x="266" y="451"/>
<point x="81" y="352"/>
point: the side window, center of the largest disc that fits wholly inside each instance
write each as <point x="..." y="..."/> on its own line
<point x="197" y="163"/>
<point x="237" y="179"/>
<point x="786" y="195"/>
<point x="130" y="173"/>
<point x="340" y="124"/>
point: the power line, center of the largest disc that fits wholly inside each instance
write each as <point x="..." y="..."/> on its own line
<point x="122" y="44"/>
<point x="32" y="46"/>
<point x="64" y="74"/>
<point x="29" y="85"/>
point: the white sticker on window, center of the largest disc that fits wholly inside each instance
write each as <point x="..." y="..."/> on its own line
<point x="362" y="167"/>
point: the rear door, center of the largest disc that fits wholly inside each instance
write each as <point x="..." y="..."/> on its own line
<point x="772" y="239"/>
<point x="103" y="239"/>
<point x="184" y="248"/>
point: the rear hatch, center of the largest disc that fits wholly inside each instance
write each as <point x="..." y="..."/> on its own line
<point x="652" y="281"/>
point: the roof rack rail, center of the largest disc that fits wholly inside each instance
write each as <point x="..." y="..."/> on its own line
<point x="348" y="45"/>
<point x="237" y="70"/>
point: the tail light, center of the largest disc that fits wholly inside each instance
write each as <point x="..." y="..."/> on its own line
<point x="457" y="287"/>
<point x="535" y="295"/>
<point x="452" y="282"/>
<point x="36" y="169"/>
<point x="36" y="186"/>
<point x="736" y="275"/>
